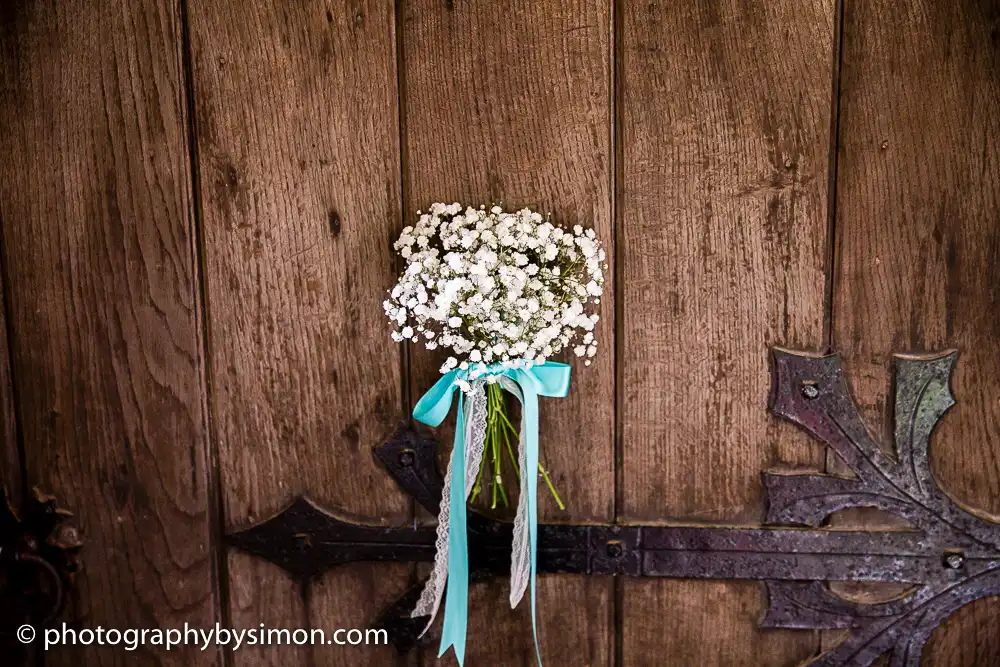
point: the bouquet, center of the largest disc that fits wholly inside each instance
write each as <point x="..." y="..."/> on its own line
<point x="503" y="293"/>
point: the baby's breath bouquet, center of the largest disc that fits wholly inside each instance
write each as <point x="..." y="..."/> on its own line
<point x="496" y="288"/>
<point x="503" y="292"/>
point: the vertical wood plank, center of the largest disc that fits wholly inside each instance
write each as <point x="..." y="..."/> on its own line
<point x="299" y="177"/>
<point x="96" y="213"/>
<point x="509" y="101"/>
<point x="724" y="140"/>
<point x="10" y="463"/>
<point x="918" y="240"/>
<point x="11" y="470"/>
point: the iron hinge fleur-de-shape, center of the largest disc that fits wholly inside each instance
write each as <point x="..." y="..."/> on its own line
<point x="951" y="556"/>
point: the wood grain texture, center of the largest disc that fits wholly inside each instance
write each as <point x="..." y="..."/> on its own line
<point x="510" y="101"/>
<point x="299" y="177"/>
<point x="96" y="212"/>
<point x="270" y="597"/>
<point x="724" y="151"/>
<point x="706" y="623"/>
<point x="335" y="602"/>
<point x="10" y="456"/>
<point x="918" y="240"/>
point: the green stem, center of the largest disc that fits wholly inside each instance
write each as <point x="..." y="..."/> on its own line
<point x="490" y="440"/>
<point x="499" y="421"/>
<point x="552" y="488"/>
<point x="513" y="459"/>
<point x="478" y="485"/>
<point x="495" y="406"/>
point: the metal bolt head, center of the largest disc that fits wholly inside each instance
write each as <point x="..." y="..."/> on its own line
<point x="66" y="537"/>
<point x="954" y="560"/>
<point x="303" y="541"/>
<point x="406" y="458"/>
<point x="614" y="550"/>
<point x="810" y="390"/>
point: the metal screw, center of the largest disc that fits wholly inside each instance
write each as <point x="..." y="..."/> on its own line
<point x="614" y="550"/>
<point x="954" y="561"/>
<point x="406" y="458"/>
<point x="810" y="390"/>
<point x="303" y="541"/>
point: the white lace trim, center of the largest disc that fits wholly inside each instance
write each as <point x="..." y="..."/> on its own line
<point x="475" y="443"/>
<point x="520" y="555"/>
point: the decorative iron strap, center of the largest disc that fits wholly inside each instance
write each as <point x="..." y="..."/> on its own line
<point x="951" y="555"/>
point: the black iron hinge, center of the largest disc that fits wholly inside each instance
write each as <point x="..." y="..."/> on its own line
<point x="951" y="556"/>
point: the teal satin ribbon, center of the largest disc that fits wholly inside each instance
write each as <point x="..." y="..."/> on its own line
<point x="548" y="379"/>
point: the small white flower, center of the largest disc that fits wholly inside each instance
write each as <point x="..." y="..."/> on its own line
<point x="496" y="287"/>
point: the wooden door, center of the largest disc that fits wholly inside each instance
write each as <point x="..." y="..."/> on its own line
<point x="197" y="205"/>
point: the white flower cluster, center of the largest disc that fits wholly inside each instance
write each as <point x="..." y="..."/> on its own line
<point x="496" y="287"/>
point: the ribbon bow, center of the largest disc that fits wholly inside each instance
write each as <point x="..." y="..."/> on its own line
<point x="451" y="563"/>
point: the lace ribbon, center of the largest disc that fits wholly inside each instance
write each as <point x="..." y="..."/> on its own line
<point x="451" y="563"/>
<point x="475" y="443"/>
<point x="520" y="561"/>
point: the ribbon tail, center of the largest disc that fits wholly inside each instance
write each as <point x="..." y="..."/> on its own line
<point x="531" y="475"/>
<point x="520" y="560"/>
<point x="526" y="388"/>
<point x="456" y="604"/>
<point x="475" y="434"/>
<point x="451" y="563"/>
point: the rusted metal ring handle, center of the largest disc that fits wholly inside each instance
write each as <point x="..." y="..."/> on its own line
<point x="51" y="572"/>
